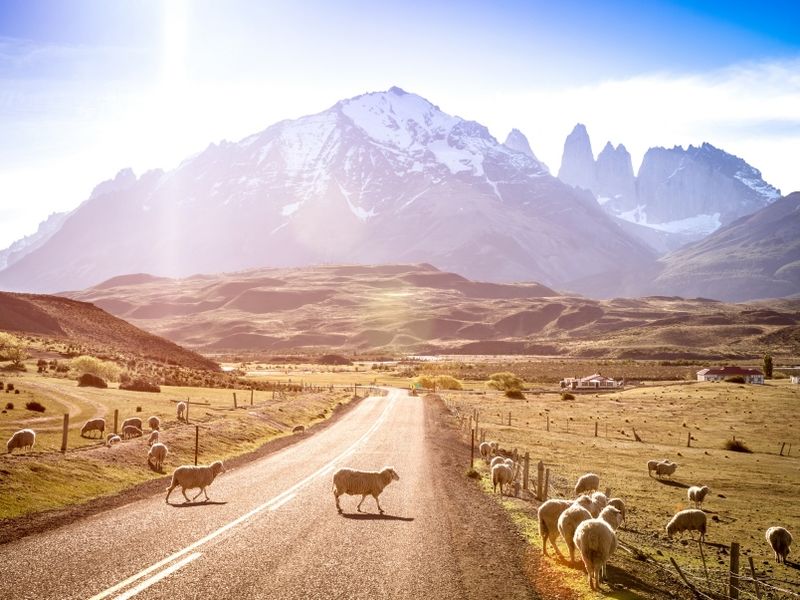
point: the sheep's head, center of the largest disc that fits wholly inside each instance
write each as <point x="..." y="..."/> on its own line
<point x="612" y="516"/>
<point x="584" y="500"/>
<point x="217" y="468"/>
<point x="392" y="473"/>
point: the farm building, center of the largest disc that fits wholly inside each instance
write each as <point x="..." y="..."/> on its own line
<point x="795" y="379"/>
<point x="723" y="373"/>
<point x="592" y="382"/>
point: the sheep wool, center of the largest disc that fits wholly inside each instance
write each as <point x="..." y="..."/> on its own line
<point x="651" y="466"/>
<point x="665" y="467"/>
<point x="158" y="452"/>
<point x="132" y="421"/>
<point x="568" y="522"/>
<point x="619" y="504"/>
<point x="501" y="475"/>
<point x="779" y="540"/>
<point x="130" y="431"/>
<point x="697" y="494"/>
<point x="180" y="410"/>
<point x="193" y="477"/>
<point x="497" y="460"/>
<point x="113" y="439"/>
<point x="612" y="516"/>
<point x="362" y="483"/>
<point x="690" y="519"/>
<point x="24" y="438"/>
<point x="587" y="483"/>
<point x="596" y="541"/>
<point x="93" y="425"/>
<point x="548" y="514"/>
<point x="154" y="423"/>
<point x="599" y="501"/>
<point x="486" y="450"/>
<point x="154" y="435"/>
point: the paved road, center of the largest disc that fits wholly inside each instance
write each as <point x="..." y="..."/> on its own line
<point x="274" y="532"/>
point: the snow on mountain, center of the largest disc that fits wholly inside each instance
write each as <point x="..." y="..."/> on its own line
<point x="17" y="250"/>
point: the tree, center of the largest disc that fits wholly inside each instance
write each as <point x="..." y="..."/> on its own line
<point x="768" y="366"/>
<point x="506" y="382"/>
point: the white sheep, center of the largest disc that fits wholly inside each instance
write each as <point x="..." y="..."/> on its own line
<point x="501" y="475"/>
<point x="596" y="541"/>
<point x="587" y="483"/>
<point x="619" y="504"/>
<point x="548" y="514"/>
<point x="181" y="411"/>
<point x="665" y="467"/>
<point x="154" y="423"/>
<point x="690" y="519"/>
<point x="194" y="476"/>
<point x="24" y="438"/>
<point x="130" y="431"/>
<point x="497" y="460"/>
<point x="362" y="483"/>
<point x="133" y="421"/>
<point x="157" y="454"/>
<point x="112" y="439"/>
<point x="779" y="539"/>
<point x="568" y="522"/>
<point x="599" y="502"/>
<point x="697" y="494"/>
<point x="651" y="466"/>
<point x="154" y="435"/>
<point x="486" y="450"/>
<point x="93" y="425"/>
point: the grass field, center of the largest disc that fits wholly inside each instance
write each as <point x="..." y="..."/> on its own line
<point x="749" y="491"/>
<point x="44" y="478"/>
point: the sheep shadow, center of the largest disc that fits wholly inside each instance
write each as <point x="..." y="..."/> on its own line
<point x="153" y="468"/>
<point x="374" y="517"/>
<point x="673" y="483"/>
<point x="196" y="504"/>
<point x="630" y="584"/>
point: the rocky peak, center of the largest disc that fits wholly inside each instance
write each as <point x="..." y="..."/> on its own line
<point x="123" y="180"/>
<point x="614" y="178"/>
<point x="577" y="161"/>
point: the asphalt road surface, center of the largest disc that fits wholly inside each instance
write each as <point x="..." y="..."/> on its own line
<point x="272" y="530"/>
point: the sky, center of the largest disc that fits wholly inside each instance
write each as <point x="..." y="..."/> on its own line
<point x="89" y="87"/>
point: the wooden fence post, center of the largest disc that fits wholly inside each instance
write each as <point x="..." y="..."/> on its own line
<point x="116" y="419"/>
<point x="546" y="484"/>
<point x="526" y="471"/>
<point x="196" y="441"/>
<point x="689" y="439"/>
<point x="234" y="400"/>
<point x="755" y="579"/>
<point x="472" y="450"/>
<point x="733" y="587"/>
<point x="509" y="418"/>
<point x="548" y="421"/>
<point x="782" y="446"/>
<point x="64" y="434"/>
<point x="595" y="428"/>
<point x="539" y="480"/>
<point x="188" y="402"/>
<point x="251" y="396"/>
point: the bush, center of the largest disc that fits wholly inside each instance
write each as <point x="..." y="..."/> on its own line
<point x="9" y="406"/>
<point x="735" y="445"/>
<point x="439" y="382"/>
<point x="94" y="366"/>
<point x="35" y="406"/>
<point x="515" y="394"/>
<point x="334" y="359"/>
<point x="10" y="387"/>
<point x="140" y="385"/>
<point x="567" y="396"/>
<point x="89" y="380"/>
<point x="505" y="382"/>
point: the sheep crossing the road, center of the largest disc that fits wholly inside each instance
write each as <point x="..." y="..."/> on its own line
<point x="362" y="483"/>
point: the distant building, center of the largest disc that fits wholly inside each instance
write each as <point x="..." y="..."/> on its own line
<point x="592" y="382"/>
<point x="723" y="373"/>
<point x="795" y="378"/>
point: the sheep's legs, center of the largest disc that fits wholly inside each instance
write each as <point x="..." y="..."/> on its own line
<point x="183" y="490"/>
<point x="358" y="508"/>
<point x="338" y="508"/>
<point x="378" y="503"/>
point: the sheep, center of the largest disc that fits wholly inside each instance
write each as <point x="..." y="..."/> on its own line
<point x="697" y="494"/>
<point x="363" y="483"/>
<point x="154" y="435"/>
<point x="665" y="467"/>
<point x="497" y="460"/>
<point x="135" y="421"/>
<point x="568" y="522"/>
<point x="651" y="466"/>
<point x="194" y="476"/>
<point x="599" y="502"/>
<point x="157" y="454"/>
<point x="779" y="539"/>
<point x="587" y="483"/>
<point x="501" y="475"/>
<point x="690" y="519"/>
<point x="154" y="423"/>
<point x="619" y="504"/>
<point x="24" y="438"/>
<point x="596" y="541"/>
<point x="612" y="516"/>
<point x="486" y="450"/>
<point x="130" y="431"/>
<point x="93" y="425"/>
<point x="548" y="514"/>
<point x="112" y="439"/>
<point x="181" y="411"/>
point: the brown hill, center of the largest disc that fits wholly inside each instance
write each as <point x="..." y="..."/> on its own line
<point x="416" y="308"/>
<point x="86" y="325"/>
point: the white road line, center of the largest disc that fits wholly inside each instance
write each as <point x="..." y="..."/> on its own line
<point x="277" y="505"/>
<point x="156" y="578"/>
<point x="277" y="500"/>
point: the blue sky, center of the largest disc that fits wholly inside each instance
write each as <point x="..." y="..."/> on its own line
<point x="90" y="87"/>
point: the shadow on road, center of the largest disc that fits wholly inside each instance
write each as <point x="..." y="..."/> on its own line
<point x="193" y="504"/>
<point x="374" y="517"/>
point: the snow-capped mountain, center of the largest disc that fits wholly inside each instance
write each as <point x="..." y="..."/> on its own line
<point x="683" y="194"/>
<point x="380" y="178"/>
<point x="29" y="243"/>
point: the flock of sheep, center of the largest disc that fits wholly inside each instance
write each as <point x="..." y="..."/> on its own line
<point x="589" y="522"/>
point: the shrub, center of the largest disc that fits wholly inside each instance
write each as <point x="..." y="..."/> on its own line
<point x="505" y="382"/>
<point x="10" y="387"/>
<point x="735" y="445"/>
<point x="9" y="406"/>
<point x="334" y="359"/>
<point x="140" y="385"/>
<point x="515" y="394"/>
<point x="35" y="406"/>
<point x="439" y="382"/>
<point x="567" y="396"/>
<point x="101" y="368"/>
<point x="89" y="380"/>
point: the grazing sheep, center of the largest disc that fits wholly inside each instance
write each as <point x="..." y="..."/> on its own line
<point x="568" y="522"/>
<point x="495" y="447"/>
<point x="585" y="501"/>
<point x="134" y="421"/>
<point x="24" y="438"/>
<point x="93" y="425"/>
<point x="596" y="541"/>
<point x="619" y="504"/>
<point x="697" y="494"/>
<point x="779" y="539"/>
<point x="497" y="460"/>
<point x="154" y="435"/>
<point x="587" y="483"/>
<point x="362" y="483"/>
<point x="130" y="431"/>
<point x="486" y="450"/>
<point x="690" y="519"/>
<point x="665" y="467"/>
<point x="194" y="476"/>
<point x="548" y="515"/>
<point x="112" y="439"/>
<point x="651" y="466"/>
<point x="154" y="423"/>
<point x="599" y="501"/>
<point x="501" y="475"/>
<point x="157" y="454"/>
<point x="612" y="516"/>
<point x="181" y="411"/>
